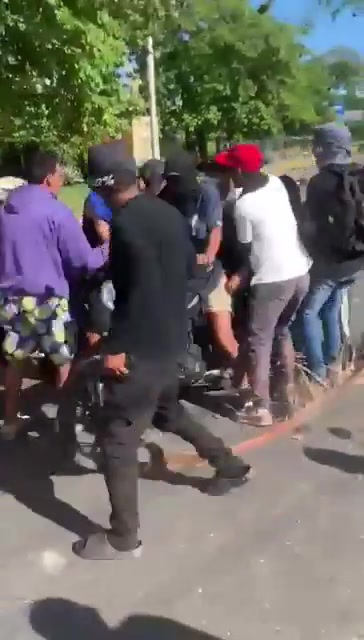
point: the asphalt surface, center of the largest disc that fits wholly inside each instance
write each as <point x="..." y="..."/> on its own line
<point x="282" y="557"/>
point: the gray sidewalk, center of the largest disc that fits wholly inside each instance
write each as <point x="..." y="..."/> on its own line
<point x="282" y="557"/>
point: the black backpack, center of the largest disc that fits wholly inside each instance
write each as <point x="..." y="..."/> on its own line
<point x="345" y="222"/>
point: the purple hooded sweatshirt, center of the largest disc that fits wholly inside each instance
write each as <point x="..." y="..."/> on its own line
<point x="42" y="245"/>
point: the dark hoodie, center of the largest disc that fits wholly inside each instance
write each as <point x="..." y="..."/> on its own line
<point x="329" y="215"/>
<point x="324" y="205"/>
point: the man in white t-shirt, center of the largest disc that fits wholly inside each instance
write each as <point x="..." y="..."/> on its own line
<point x="278" y="266"/>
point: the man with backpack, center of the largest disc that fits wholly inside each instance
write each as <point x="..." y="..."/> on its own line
<point x="335" y="239"/>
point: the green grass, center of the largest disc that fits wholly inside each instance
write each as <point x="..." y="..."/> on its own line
<point x="74" y="196"/>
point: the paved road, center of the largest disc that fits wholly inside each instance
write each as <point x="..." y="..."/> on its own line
<point x="281" y="558"/>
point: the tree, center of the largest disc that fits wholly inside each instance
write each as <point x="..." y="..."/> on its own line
<point x="215" y="81"/>
<point x="336" y="6"/>
<point x="58" y="71"/>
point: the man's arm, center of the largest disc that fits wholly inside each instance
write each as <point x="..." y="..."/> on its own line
<point x="102" y="228"/>
<point x="75" y="251"/>
<point x="121" y="269"/>
<point x="214" y="222"/>
<point x="244" y="236"/>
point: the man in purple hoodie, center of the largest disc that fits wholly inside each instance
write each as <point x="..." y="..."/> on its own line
<point x="42" y="249"/>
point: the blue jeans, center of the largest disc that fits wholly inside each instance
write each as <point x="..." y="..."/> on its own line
<point x="321" y="325"/>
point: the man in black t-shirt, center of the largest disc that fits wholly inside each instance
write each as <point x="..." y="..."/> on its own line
<point x="150" y="258"/>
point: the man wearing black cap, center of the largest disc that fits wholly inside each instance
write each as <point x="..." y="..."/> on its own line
<point x="151" y="176"/>
<point x="200" y="204"/>
<point x="150" y="255"/>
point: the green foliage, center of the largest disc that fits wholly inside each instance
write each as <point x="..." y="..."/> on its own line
<point x="58" y="62"/>
<point x="74" y="197"/>
<point x="224" y="70"/>
<point x="238" y="73"/>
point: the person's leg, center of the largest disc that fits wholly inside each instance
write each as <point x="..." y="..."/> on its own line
<point x="312" y="329"/>
<point x="333" y="334"/>
<point x="330" y="317"/>
<point x="241" y="324"/>
<point x="18" y="344"/>
<point x="345" y="313"/>
<point x="12" y="387"/>
<point x="283" y="350"/>
<point x="219" y="310"/>
<point x="266" y="306"/>
<point x="129" y="404"/>
<point x="171" y="417"/>
<point x="59" y="344"/>
<point x="68" y="387"/>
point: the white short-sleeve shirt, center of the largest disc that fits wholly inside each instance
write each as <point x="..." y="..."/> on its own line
<point x="265" y="219"/>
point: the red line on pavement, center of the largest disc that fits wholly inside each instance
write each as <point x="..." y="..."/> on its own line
<point x="186" y="459"/>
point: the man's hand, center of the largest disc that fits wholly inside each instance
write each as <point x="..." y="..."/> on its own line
<point x="116" y="364"/>
<point x="233" y="284"/>
<point x="203" y="259"/>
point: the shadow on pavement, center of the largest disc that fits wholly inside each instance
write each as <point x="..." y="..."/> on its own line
<point x="221" y="404"/>
<point x="32" y="399"/>
<point x="157" y="471"/>
<point x="25" y="473"/>
<point x="58" y="619"/>
<point x="339" y="432"/>
<point x="346" y="462"/>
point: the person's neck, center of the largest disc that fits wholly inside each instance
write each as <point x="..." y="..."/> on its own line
<point x="129" y="195"/>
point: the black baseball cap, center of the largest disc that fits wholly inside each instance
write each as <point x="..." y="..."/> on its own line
<point x="152" y="170"/>
<point x="108" y="162"/>
<point x="180" y="163"/>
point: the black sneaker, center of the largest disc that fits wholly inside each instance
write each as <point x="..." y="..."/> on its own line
<point x="231" y="475"/>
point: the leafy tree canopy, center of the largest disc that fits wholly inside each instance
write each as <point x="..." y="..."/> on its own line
<point x="223" y="69"/>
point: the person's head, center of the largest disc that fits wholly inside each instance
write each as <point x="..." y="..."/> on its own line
<point x="112" y="172"/>
<point x="44" y="168"/>
<point x="151" y="176"/>
<point x="180" y="173"/>
<point x="241" y="162"/>
<point x="332" y="144"/>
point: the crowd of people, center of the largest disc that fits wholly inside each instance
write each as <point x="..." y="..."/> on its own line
<point x="270" y="271"/>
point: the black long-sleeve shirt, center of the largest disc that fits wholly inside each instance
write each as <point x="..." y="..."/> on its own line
<point x="150" y="263"/>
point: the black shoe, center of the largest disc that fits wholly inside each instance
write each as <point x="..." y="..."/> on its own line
<point x="234" y="473"/>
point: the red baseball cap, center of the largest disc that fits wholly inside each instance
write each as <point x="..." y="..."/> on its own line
<point x="248" y="158"/>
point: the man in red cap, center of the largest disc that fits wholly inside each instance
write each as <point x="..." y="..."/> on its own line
<point x="277" y="265"/>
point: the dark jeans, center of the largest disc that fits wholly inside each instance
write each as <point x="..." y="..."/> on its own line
<point x="149" y="393"/>
<point x="272" y="309"/>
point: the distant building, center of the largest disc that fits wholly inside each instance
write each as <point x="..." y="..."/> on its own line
<point x="356" y="115"/>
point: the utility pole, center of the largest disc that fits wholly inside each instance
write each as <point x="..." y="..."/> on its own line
<point x="154" y="125"/>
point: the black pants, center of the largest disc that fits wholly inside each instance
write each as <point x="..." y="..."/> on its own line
<point x="149" y="393"/>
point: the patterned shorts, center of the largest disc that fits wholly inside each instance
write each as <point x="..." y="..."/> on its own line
<point x="33" y="325"/>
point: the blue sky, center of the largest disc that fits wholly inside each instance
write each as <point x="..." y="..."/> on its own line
<point x="344" y="31"/>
